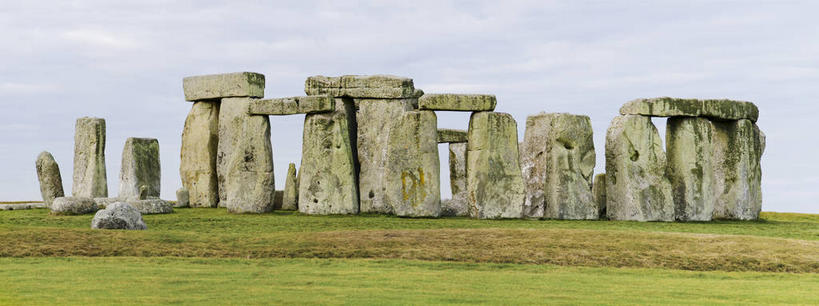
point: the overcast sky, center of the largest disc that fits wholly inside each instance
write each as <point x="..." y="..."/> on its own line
<point x="125" y="60"/>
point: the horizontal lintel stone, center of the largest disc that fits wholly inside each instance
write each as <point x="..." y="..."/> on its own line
<point x="227" y="85"/>
<point x="292" y="105"/>
<point x="362" y="86"/>
<point x="458" y="102"/>
<point x="452" y="136"/>
<point x="675" y="107"/>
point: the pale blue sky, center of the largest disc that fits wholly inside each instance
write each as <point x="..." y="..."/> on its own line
<point x="125" y="61"/>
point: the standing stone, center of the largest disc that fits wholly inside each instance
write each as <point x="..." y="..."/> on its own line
<point x="232" y="117"/>
<point x="375" y="118"/>
<point x="457" y="206"/>
<point x="140" y="169"/>
<point x="599" y="192"/>
<point x="495" y="186"/>
<point x="182" y="198"/>
<point x="690" y="167"/>
<point x="89" y="159"/>
<point x="413" y="178"/>
<point x="327" y="180"/>
<point x="200" y="139"/>
<point x="558" y="164"/>
<point x="290" y="198"/>
<point x="51" y="183"/>
<point x="249" y="182"/>
<point x="637" y="187"/>
<point x="738" y="149"/>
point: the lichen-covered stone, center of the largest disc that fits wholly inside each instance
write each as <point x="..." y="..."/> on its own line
<point x="215" y="86"/>
<point x="327" y="180"/>
<point x="599" y="193"/>
<point x="232" y="117"/>
<point x="73" y="206"/>
<point x="495" y="186"/>
<point x="104" y="202"/>
<point x="182" y="198"/>
<point x="90" y="178"/>
<point x="249" y="182"/>
<point x="140" y="169"/>
<point x="557" y="162"/>
<point x="292" y="105"/>
<point x="452" y="136"/>
<point x="48" y="173"/>
<point x="200" y="140"/>
<point x="290" y="197"/>
<point x="457" y="206"/>
<point x="151" y="206"/>
<point x="118" y="215"/>
<point x="375" y="120"/>
<point x="689" y="150"/>
<point x="362" y="86"/>
<point x="637" y="187"/>
<point x="676" y="107"/>
<point x="738" y="149"/>
<point x="458" y="102"/>
<point x="413" y="178"/>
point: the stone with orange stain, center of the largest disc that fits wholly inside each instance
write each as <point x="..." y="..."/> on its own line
<point x="413" y="186"/>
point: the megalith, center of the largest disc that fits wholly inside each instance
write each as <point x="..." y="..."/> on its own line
<point x="738" y="149"/>
<point x="495" y="186"/>
<point x="599" y="192"/>
<point x="248" y="163"/>
<point x="119" y="215"/>
<point x="200" y="139"/>
<point x="457" y="206"/>
<point x="637" y="187"/>
<point x="290" y="198"/>
<point x="226" y="85"/>
<point x="183" y="198"/>
<point x="413" y="168"/>
<point x="48" y="173"/>
<point x="140" y="168"/>
<point x="73" y="206"/>
<point x="689" y="151"/>
<point x="89" y="158"/>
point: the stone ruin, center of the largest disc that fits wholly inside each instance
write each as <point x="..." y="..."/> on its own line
<point x="370" y="145"/>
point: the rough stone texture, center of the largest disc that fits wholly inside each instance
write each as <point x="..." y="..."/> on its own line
<point x="48" y="173"/>
<point x="119" y="215"/>
<point x="214" y="86"/>
<point x="182" y="198"/>
<point x="557" y="162"/>
<point x="292" y="105"/>
<point x="327" y="180"/>
<point x="457" y="206"/>
<point x="495" y="186"/>
<point x="690" y="167"/>
<point x="151" y="206"/>
<point x="22" y="206"/>
<point x="675" y="107"/>
<point x="375" y="118"/>
<point x="278" y="198"/>
<point x="200" y="139"/>
<point x="104" y="202"/>
<point x="232" y="117"/>
<point x="290" y="198"/>
<point x="140" y="169"/>
<point x="362" y="86"/>
<point x="599" y="192"/>
<point x="452" y="136"/>
<point x="458" y="102"/>
<point x="73" y="206"/>
<point x="89" y="159"/>
<point x="249" y="182"/>
<point x="738" y="149"/>
<point x="413" y="177"/>
<point x="637" y="187"/>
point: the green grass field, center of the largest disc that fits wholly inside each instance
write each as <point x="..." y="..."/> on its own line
<point x="210" y="256"/>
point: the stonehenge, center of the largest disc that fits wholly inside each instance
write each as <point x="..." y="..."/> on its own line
<point x="200" y="138"/>
<point x="48" y="173"/>
<point x="140" y="173"/>
<point x="90" y="179"/>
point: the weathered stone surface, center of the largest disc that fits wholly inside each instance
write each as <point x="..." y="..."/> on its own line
<point x="249" y="184"/>
<point x="328" y="182"/>
<point x="200" y="139"/>
<point x="458" y="102"/>
<point x="362" y="86"/>
<point x="457" y="206"/>
<point x="89" y="158"/>
<point x="738" y="149"/>
<point x="215" y="86"/>
<point x="73" y="206"/>
<point x="292" y="105"/>
<point x="690" y="167"/>
<point x="375" y="119"/>
<point x="104" y="202"/>
<point x="183" y="197"/>
<point x="48" y="173"/>
<point x="637" y="187"/>
<point x="557" y="162"/>
<point x="151" y="206"/>
<point x="232" y="117"/>
<point x="495" y="186"/>
<point x="118" y="215"/>
<point x="290" y="198"/>
<point x="675" y="107"/>
<point x="22" y="206"/>
<point x="452" y="136"/>
<point x="599" y="192"/>
<point x="278" y="199"/>
<point x="413" y="177"/>
<point x="140" y="169"/>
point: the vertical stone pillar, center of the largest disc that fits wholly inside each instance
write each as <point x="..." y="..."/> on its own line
<point x="599" y="192"/>
<point x="51" y="182"/>
<point x="140" y="169"/>
<point x="90" y="178"/>
<point x="413" y="169"/>
<point x="200" y="139"/>
<point x="290" y="198"/>
<point x="738" y="149"/>
<point x="457" y="206"/>
<point x="248" y="163"/>
<point x="690" y="167"/>
<point x="232" y="117"/>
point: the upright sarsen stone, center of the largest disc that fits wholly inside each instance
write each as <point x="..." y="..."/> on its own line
<point x="48" y="173"/>
<point x="290" y="198"/>
<point x="690" y="167"/>
<point x="413" y="169"/>
<point x="249" y="183"/>
<point x="637" y="187"/>
<point x="457" y="206"/>
<point x="140" y="169"/>
<point x="89" y="159"/>
<point x="738" y="149"/>
<point x="599" y="192"/>
<point x="495" y="186"/>
<point x="232" y="117"/>
<point x="200" y="139"/>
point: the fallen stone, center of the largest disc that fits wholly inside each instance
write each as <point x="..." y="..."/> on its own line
<point x="48" y="173"/>
<point x="90" y="179"/>
<point x="249" y="181"/>
<point x="290" y="197"/>
<point x="215" y="86"/>
<point x="690" y="167"/>
<point x="362" y="86"/>
<point x="200" y="140"/>
<point x="557" y="162"/>
<point x="413" y="177"/>
<point x="118" y="215"/>
<point x="675" y="107"/>
<point x="22" y="206"/>
<point x="738" y="149"/>
<point x="599" y="192"/>
<point x="182" y="198"/>
<point x="637" y="187"/>
<point x="151" y="206"/>
<point x="292" y="106"/>
<point x="457" y="206"/>
<point x="452" y="136"/>
<point x="73" y="206"/>
<point x="458" y="102"/>
<point x="495" y="186"/>
<point x="140" y="169"/>
<point x="104" y="202"/>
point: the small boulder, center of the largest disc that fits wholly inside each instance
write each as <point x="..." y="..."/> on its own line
<point x="73" y="206"/>
<point x="182" y="198"/>
<point x="119" y="215"/>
